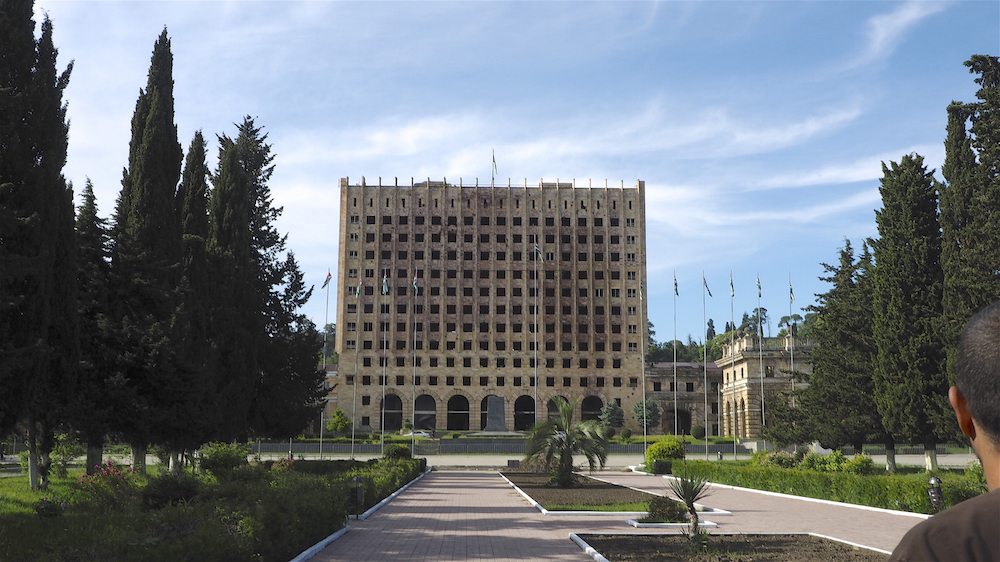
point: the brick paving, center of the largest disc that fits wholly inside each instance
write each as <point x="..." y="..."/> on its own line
<point x="476" y="515"/>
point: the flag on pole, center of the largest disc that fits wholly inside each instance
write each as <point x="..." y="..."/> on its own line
<point x="640" y="291"/>
<point x="494" y="161"/>
<point x="732" y="290"/>
<point x="709" y="291"/>
<point x="327" y="281"/>
<point x="538" y="252"/>
<point x="676" y="294"/>
<point x="758" y="285"/>
<point x="416" y="289"/>
<point x="358" y="293"/>
<point x="791" y="293"/>
<point x="385" y="283"/>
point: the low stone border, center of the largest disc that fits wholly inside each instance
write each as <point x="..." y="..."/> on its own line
<point x="544" y="511"/>
<point x="318" y="547"/>
<point x="598" y="557"/>
<point x="701" y="523"/>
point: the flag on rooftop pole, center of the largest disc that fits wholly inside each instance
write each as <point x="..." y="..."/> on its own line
<point x="676" y="294"/>
<point x="494" y="171"/>
<point x="640" y="291"/>
<point x="416" y="289"/>
<point x="385" y="283"/>
<point x="359" y="287"/>
<point x="706" y="285"/>
<point x="327" y="280"/>
<point x="791" y="293"/>
<point x="538" y="252"/>
<point x="758" y="285"/>
<point x="732" y="290"/>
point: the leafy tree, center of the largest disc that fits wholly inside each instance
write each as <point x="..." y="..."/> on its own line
<point x="970" y="204"/>
<point x="791" y="323"/>
<point x="330" y="342"/>
<point x="911" y="386"/>
<point x="339" y="422"/>
<point x="555" y="441"/>
<point x="647" y="414"/>
<point x="612" y="415"/>
<point x="38" y="325"/>
<point x="710" y="330"/>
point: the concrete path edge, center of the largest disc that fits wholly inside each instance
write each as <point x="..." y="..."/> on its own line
<point x="587" y="548"/>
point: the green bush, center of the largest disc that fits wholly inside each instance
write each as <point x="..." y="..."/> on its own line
<point x="626" y="433"/>
<point x="397" y="451"/>
<point x="169" y="489"/>
<point x="698" y="432"/>
<point x="222" y="459"/>
<point x="667" y="448"/>
<point x="665" y="510"/>
<point x="65" y="451"/>
<point x="861" y="464"/>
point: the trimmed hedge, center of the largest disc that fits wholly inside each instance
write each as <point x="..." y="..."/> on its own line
<point x="906" y="492"/>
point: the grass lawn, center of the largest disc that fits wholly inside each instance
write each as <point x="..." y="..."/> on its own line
<point x="590" y="495"/>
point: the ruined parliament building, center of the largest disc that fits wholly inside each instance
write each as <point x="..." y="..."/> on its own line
<point x="467" y="339"/>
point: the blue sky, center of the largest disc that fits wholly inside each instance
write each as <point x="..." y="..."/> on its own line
<point x="758" y="127"/>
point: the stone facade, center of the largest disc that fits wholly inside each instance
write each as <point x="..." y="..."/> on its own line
<point x="467" y="332"/>
<point x="689" y="396"/>
<point x="743" y="362"/>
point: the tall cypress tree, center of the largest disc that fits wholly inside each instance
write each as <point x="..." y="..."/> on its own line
<point x="970" y="204"/>
<point x="911" y="385"/>
<point x="38" y="326"/>
<point x="94" y="403"/>
<point x="146" y="257"/>
<point x="840" y="397"/>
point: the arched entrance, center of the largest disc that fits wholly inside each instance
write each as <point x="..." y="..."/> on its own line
<point x="590" y="408"/>
<point x="683" y="422"/>
<point x="458" y="413"/>
<point x="524" y="413"/>
<point x="426" y="412"/>
<point x="552" y="409"/>
<point x="392" y="413"/>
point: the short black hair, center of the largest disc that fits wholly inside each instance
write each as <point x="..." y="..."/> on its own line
<point x="978" y="369"/>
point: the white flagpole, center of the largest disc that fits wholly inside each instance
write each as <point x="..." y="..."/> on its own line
<point x="326" y="317"/>
<point x="704" y="349"/>
<point x="387" y="294"/>
<point x="642" y="365"/>
<point x="538" y="256"/>
<point x="675" y="352"/>
<point x="357" y="349"/>
<point x="791" y="337"/>
<point x="760" y="351"/>
<point x="732" y="356"/>
<point x="413" y="381"/>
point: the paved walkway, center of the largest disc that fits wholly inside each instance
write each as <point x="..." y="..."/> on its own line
<point x="476" y="515"/>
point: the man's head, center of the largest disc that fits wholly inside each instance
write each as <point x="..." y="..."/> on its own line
<point x="978" y="372"/>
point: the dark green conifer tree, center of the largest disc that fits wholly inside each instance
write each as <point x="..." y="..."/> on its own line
<point x="38" y="327"/>
<point x="911" y="385"/>
<point x="970" y="204"/>
<point x="145" y="261"/>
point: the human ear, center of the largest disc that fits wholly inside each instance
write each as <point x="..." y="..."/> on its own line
<point x="962" y="414"/>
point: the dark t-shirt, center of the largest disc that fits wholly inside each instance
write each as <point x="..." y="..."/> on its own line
<point x="969" y="531"/>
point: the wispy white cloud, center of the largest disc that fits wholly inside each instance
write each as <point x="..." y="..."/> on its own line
<point x="885" y="31"/>
<point x="863" y="169"/>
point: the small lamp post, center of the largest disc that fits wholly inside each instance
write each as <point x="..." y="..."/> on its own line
<point x="359" y="496"/>
<point x="934" y="491"/>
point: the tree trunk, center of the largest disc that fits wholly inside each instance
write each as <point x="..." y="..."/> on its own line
<point x="44" y="467"/>
<point x="139" y="458"/>
<point x="95" y="455"/>
<point x="174" y="464"/>
<point x="33" y="476"/>
<point x="890" y="458"/>
<point x="693" y="521"/>
<point x="930" y="457"/>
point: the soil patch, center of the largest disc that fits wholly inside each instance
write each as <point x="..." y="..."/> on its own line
<point x="728" y="548"/>
<point x="589" y="492"/>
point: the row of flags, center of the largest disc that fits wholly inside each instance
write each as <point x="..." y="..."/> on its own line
<point x="732" y="289"/>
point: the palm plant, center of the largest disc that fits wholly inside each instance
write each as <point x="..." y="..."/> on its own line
<point x="688" y="489"/>
<point x="553" y="443"/>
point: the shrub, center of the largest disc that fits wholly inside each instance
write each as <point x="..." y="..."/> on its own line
<point x="667" y="448"/>
<point x="169" y="489"/>
<point x="626" y="433"/>
<point x="861" y="464"/>
<point x="781" y="459"/>
<point x="222" y="459"/>
<point x="834" y="462"/>
<point x="109" y="488"/>
<point x="698" y="432"/>
<point x="665" y="510"/>
<point x="813" y="461"/>
<point x="397" y="451"/>
<point x="455" y="434"/>
<point x="66" y="449"/>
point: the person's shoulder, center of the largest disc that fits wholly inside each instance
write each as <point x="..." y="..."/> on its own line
<point x="969" y="530"/>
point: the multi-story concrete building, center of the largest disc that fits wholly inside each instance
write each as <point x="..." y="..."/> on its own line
<point x="450" y="294"/>
<point x="752" y="369"/>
